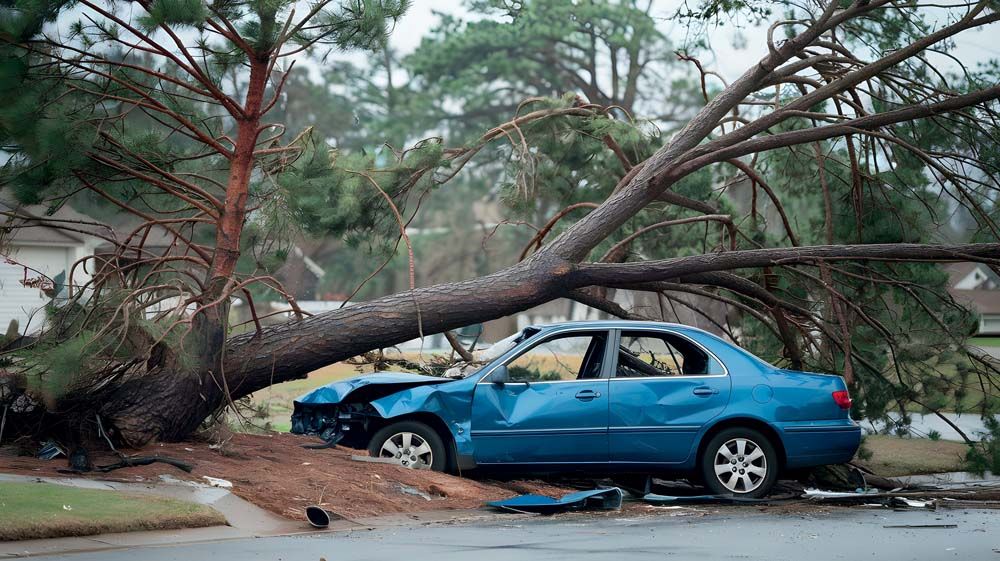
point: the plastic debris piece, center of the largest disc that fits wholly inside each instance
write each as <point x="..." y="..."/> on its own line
<point x="595" y="499"/>
<point x="216" y="482"/>
<point x="319" y="517"/>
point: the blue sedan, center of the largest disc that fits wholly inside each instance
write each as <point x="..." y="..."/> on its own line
<point x="606" y="395"/>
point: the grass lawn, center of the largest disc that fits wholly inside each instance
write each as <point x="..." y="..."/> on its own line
<point x="985" y="341"/>
<point x="45" y="510"/>
<point x="893" y="456"/>
<point x="972" y="400"/>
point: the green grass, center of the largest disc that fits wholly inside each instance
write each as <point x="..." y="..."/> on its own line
<point x="985" y="341"/>
<point x="971" y="402"/>
<point x="894" y="457"/>
<point x="45" y="510"/>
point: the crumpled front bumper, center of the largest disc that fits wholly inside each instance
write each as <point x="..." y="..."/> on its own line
<point x="333" y="423"/>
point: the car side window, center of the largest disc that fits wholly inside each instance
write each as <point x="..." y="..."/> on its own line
<point x="650" y="353"/>
<point x="575" y="356"/>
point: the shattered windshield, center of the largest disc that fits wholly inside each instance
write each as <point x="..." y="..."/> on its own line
<point x="496" y="350"/>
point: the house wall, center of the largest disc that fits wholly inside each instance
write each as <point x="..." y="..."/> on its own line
<point x="989" y="324"/>
<point x="25" y="303"/>
<point x="20" y="302"/>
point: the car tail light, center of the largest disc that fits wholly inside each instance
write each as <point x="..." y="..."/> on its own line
<point x="842" y="398"/>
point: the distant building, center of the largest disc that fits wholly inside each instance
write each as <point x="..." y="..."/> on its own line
<point x="977" y="286"/>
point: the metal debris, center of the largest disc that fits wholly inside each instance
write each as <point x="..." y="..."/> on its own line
<point x="373" y="460"/>
<point x="596" y="499"/>
<point x="50" y="450"/>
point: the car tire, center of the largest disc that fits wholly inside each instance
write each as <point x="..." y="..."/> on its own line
<point x="740" y="462"/>
<point x="412" y="444"/>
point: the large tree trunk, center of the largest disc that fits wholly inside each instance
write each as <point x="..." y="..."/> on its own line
<point x="190" y="385"/>
<point x="164" y="407"/>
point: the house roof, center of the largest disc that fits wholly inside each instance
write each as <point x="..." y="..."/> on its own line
<point x="38" y="224"/>
<point x="983" y="301"/>
<point x="34" y="224"/>
<point x="957" y="272"/>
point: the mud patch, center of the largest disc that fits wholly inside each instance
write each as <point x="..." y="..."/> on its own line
<point x="274" y="472"/>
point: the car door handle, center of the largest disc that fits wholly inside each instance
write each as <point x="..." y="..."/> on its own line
<point x="704" y="390"/>
<point x="587" y="395"/>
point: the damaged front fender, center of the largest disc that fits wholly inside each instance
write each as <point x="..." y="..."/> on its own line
<point x="348" y="409"/>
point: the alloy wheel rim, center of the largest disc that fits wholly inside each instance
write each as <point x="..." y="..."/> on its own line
<point x="409" y="449"/>
<point x="740" y="465"/>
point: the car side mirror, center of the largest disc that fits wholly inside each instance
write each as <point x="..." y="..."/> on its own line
<point x="499" y="375"/>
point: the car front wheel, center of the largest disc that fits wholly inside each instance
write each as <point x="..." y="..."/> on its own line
<point x="411" y="444"/>
<point x="740" y="462"/>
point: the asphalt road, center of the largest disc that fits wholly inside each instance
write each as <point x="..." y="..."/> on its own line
<point x="743" y="534"/>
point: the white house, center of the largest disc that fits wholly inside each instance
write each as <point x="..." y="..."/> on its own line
<point x="36" y="258"/>
<point x="975" y="285"/>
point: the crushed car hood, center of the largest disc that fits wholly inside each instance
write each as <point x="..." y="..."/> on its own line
<point x="368" y="387"/>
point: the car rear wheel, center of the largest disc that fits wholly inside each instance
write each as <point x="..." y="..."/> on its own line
<point x="411" y="444"/>
<point x="740" y="462"/>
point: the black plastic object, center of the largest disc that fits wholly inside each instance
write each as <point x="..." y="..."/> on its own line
<point x="319" y="517"/>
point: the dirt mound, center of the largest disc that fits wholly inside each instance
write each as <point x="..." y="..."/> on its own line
<point x="275" y="472"/>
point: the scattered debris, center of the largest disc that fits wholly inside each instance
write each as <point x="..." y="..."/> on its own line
<point x="414" y="491"/>
<point x="958" y="503"/>
<point x="374" y="460"/>
<point x="216" y="482"/>
<point x="596" y="499"/>
<point x="825" y="495"/>
<point x="127" y="461"/>
<point x="903" y="502"/>
<point x="50" y="450"/>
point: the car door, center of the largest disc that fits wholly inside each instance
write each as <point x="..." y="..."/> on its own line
<point x="549" y="404"/>
<point x="664" y="388"/>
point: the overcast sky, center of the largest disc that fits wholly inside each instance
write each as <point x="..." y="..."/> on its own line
<point x="735" y="48"/>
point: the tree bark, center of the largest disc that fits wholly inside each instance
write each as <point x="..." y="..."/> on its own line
<point x="290" y="351"/>
<point x="170" y="403"/>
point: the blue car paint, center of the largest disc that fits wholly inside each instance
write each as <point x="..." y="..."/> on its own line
<point x="594" y="499"/>
<point x="658" y="421"/>
<point x="491" y="425"/>
<point x="541" y="422"/>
